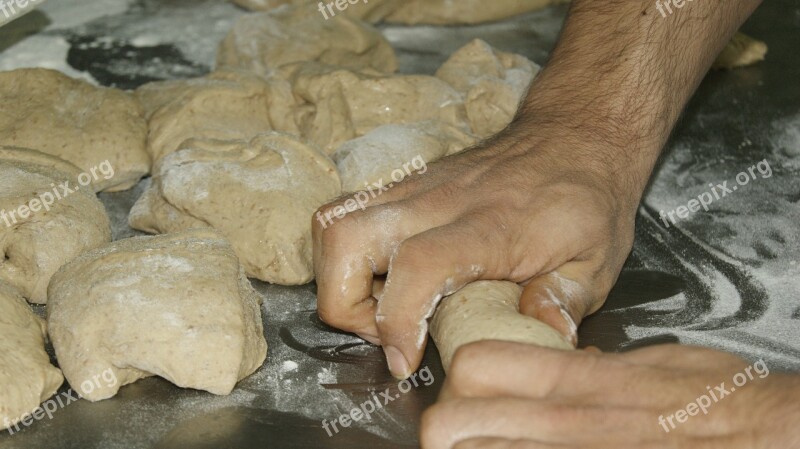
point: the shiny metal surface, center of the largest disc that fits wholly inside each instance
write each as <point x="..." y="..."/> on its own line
<point x="680" y="283"/>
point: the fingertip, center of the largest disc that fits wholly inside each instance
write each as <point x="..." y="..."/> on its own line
<point x="397" y="362"/>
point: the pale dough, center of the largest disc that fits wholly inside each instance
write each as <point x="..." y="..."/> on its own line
<point x="372" y="158"/>
<point x="33" y="248"/>
<point x="413" y="12"/>
<point x="493" y="83"/>
<point x="177" y="306"/>
<point x="488" y="310"/>
<point x="26" y="375"/>
<point x="741" y="51"/>
<point x="260" y="194"/>
<point x="222" y="105"/>
<point x="337" y="105"/>
<point x="261" y="42"/>
<point x="50" y="112"/>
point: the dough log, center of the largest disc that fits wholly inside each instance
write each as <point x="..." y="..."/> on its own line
<point x="488" y="310"/>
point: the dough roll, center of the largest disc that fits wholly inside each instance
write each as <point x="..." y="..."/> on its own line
<point x="488" y="310"/>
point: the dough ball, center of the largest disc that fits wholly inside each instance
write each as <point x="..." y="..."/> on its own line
<point x="177" y="306"/>
<point x="222" y="105"/>
<point x="446" y="12"/>
<point x="261" y="42"/>
<point x="261" y="195"/>
<point x="337" y="105"/>
<point x="488" y="310"/>
<point x="57" y="221"/>
<point x="26" y="375"/>
<point x="368" y="10"/>
<point x="494" y="84"/>
<point x="50" y="112"/>
<point x="373" y="158"/>
<point x="741" y="51"/>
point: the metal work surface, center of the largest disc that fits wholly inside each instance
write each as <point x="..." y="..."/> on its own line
<point x="728" y="277"/>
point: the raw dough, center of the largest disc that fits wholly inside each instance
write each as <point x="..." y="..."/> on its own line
<point x="338" y="105"/>
<point x="447" y="12"/>
<point x="223" y="105"/>
<point x="260" y="194"/>
<point x="488" y="310"/>
<point x="372" y="158"/>
<point x="741" y="51"/>
<point x="26" y="375"/>
<point x="178" y="306"/>
<point x="492" y="82"/>
<point x="34" y="248"/>
<point x="261" y="42"/>
<point x="69" y="118"/>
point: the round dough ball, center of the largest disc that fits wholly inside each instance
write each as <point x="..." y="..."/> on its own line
<point x="342" y="104"/>
<point x="177" y="306"/>
<point x="386" y="150"/>
<point x="222" y="105"/>
<point x="261" y="195"/>
<point x="493" y="83"/>
<point x="26" y="375"/>
<point x="262" y="42"/>
<point x="50" y="112"/>
<point x="488" y="310"/>
<point x="44" y="223"/>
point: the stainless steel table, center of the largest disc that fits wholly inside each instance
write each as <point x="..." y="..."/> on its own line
<point x="727" y="278"/>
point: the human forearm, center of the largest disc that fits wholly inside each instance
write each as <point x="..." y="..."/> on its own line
<point x="622" y="72"/>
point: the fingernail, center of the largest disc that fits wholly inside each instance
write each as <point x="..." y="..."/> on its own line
<point x="398" y="365"/>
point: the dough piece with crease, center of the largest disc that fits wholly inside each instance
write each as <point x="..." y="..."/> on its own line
<point x="177" y="306"/>
<point x="373" y="158"/>
<point x="261" y="42"/>
<point x="337" y="105"/>
<point x="60" y="219"/>
<point x="26" y="375"/>
<point x="493" y="83"/>
<point x="488" y="310"/>
<point x="259" y="194"/>
<point x="222" y="105"/>
<point x="50" y="112"/>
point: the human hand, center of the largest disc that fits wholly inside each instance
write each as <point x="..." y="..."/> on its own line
<point x="537" y="205"/>
<point x="511" y="395"/>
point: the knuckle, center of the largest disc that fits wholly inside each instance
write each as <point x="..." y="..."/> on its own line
<point x="464" y="360"/>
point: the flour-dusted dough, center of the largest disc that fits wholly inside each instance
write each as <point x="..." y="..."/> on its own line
<point x="741" y="51"/>
<point x="177" y="306"/>
<point x="260" y="194"/>
<point x="223" y="105"/>
<point x="372" y="158"/>
<point x="492" y="82"/>
<point x="35" y="247"/>
<point x="448" y="12"/>
<point x="261" y="42"/>
<point x="488" y="310"/>
<point x="26" y="375"/>
<point x="338" y="105"/>
<point x="50" y="112"/>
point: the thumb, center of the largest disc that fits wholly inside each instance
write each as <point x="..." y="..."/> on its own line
<point x="558" y="301"/>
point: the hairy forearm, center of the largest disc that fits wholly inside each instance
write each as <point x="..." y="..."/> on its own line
<point x="622" y="71"/>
